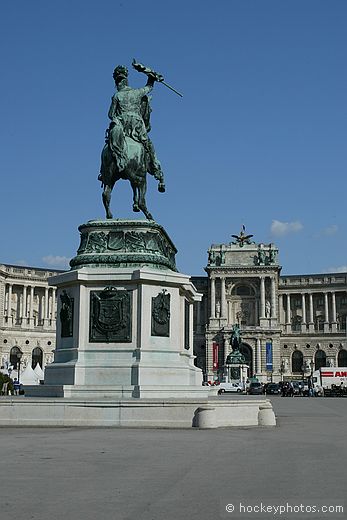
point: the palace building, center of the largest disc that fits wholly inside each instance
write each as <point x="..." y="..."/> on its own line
<point x="290" y="325"/>
<point x="27" y="317"/>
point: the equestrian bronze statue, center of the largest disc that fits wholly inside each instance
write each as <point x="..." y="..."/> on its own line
<point x="129" y="152"/>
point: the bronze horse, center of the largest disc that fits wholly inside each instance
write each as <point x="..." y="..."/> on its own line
<point x="135" y="171"/>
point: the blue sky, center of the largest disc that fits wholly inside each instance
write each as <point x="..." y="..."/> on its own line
<point x="259" y="137"/>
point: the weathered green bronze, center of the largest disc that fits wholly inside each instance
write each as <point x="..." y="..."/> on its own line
<point x="66" y="315"/>
<point x="129" y="152"/>
<point x="235" y="339"/>
<point x="235" y="357"/>
<point x="110" y="316"/>
<point x="161" y="315"/>
<point x="124" y="243"/>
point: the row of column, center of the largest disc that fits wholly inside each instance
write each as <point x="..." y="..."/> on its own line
<point x="288" y="312"/>
<point x="263" y="307"/>
<point x="25" y="309"/>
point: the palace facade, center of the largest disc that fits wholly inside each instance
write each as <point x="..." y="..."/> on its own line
<point x="290" y="325"/>
<point x="27" y="316"/>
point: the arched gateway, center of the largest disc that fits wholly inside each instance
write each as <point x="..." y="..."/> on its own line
<point x="247" y="351"/>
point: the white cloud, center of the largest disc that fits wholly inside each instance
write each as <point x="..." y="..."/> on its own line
<point x="279" y="229"/>
<point x="56" y="261"/>
<point x="330" y="230"/>
<point x="341" y="269"/>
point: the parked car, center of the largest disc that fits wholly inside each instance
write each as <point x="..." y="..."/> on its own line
<point x="255" y="389"/>
<point x="230" y="387"/>
<point x="272" y="389"/>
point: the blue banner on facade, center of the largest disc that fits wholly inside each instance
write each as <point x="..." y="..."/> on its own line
<point x="269" y="365"/>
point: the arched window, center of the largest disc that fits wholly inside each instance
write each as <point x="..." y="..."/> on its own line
<point x="14" y="356"/>
<point x="243" y="290"/>
<point x="342" y="358"/>
<point x="297" y="361"/>
<point x="36" y="357"/>
<point x="320" y="359"/>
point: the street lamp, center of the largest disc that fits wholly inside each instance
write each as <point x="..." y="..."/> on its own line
<point x="19" y="357"/>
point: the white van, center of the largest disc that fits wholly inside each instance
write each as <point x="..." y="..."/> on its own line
<point x="230" y="387"/>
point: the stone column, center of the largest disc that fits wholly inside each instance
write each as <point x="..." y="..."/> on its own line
<point x="280" y="309"/>
<point x="289" y="315"/>
<point x="24" y="305"/>
<point x="9" y="300"/>
<point x="273" y="298"/>
<point x="262" y="297"/>
<point x="31" y="306"/>
<point x="326" y="313"/>
<point x="45" y="307"/>
<point x="41" y="308"/>
<point x="303" y="305"/>
<point x="213" y="298"/>
<point x="259" y="367"/>
<point x="333" y="310"/>
<point x="50" y="305"/>
<point x="9" y="304"/>
<point x="223" y="299"/>
<point x="311" y="322"/>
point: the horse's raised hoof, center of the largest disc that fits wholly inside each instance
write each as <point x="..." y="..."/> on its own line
<point x="136" y="208"/>
<point x="161" y="187"/>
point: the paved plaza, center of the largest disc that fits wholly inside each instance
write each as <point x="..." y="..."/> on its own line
<point x="147" y="474"/>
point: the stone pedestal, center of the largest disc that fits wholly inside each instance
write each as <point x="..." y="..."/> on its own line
<point x="124" y="344"/>
<point x="124" y="318"/>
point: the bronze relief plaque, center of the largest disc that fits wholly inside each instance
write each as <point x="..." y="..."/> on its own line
<point x="110" y="316"/>
<point x="161" y="315"/>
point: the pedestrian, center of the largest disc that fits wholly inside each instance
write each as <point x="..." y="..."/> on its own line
<point x="310" y="392"/>
<point x="16" y="386"/>
<point x="4" y="389"/>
